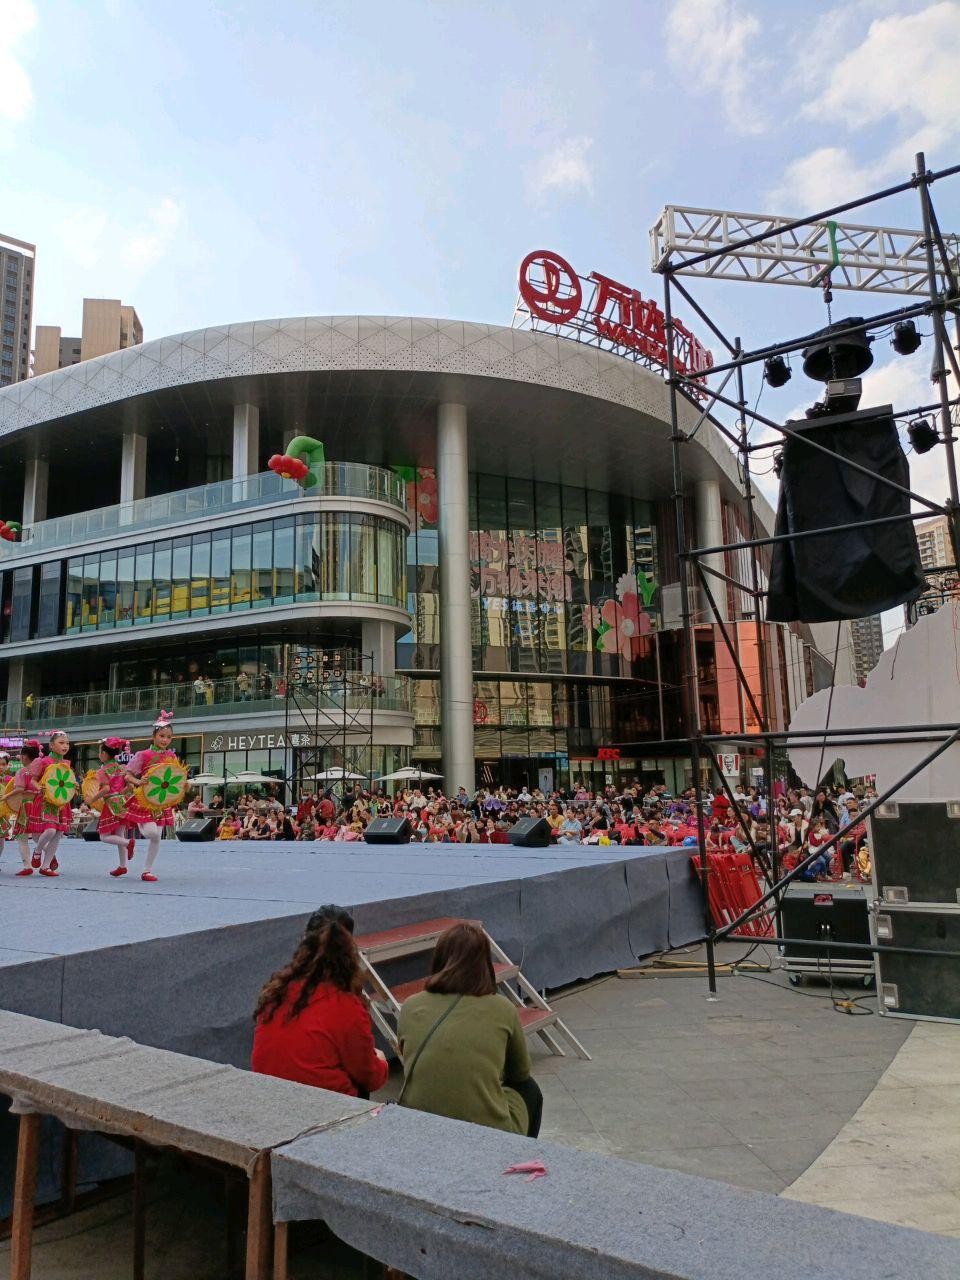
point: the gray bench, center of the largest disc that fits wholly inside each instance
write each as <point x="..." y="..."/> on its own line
<point x="111" y="1085"/>
<point x="428" y="1196"/>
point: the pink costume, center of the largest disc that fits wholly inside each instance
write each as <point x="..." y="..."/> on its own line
<point x="138" y="814"/>
<point x="112" y="815"/>
<point x="45" y="816"/>
<point x="23" y="779"/>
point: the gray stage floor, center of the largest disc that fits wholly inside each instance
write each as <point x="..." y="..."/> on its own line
<point x="178" y="963"/>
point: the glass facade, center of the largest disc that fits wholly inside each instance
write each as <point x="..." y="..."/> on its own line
<point x="563" y="580"/>
<point x="293" y="559"/>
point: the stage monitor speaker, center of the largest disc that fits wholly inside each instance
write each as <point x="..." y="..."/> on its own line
<point x="824" y="913"/>
<point x="530" y="833"/>
<point x="198" y="829"/>
<point x="388" y="831"/>
<point x="92" y="830"/>
<point x="915" y="848"/>
<point x="912" y="986"/>
<point x="843" y="575"/>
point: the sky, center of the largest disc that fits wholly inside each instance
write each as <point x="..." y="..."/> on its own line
<point x="217" y="162"/>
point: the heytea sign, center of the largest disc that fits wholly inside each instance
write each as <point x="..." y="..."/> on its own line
<point x="254" y="741"/>
<point x="606" y="311"/>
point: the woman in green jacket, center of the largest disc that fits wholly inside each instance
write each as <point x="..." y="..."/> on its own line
<point x="463" y="1049"/>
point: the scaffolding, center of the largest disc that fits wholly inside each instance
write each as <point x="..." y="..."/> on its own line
<point x="329" y="697"/>
<point x="817" y="251"/>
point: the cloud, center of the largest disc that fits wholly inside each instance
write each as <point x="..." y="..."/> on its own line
<point x="714" y="42"/>
<point x="145" y="248"/>
<point x="902" y="77"/>
<point x="16" y="93"/>
<point x="565" y="168"/>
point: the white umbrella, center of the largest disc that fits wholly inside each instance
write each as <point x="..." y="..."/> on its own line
<point x="338" y="774"/>
<point x="249" y="776"/>
<point x="408" y="774"/>
<point x="209" y="780"/>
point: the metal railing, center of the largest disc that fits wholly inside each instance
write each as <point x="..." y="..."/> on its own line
<point x="340" y="479"/>
<point x="219" y="697"/>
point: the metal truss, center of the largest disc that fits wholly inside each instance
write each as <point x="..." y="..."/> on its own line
<point x="328" y="706"/>
<point x="766" y="249"/>
<point x="815" y="251"/>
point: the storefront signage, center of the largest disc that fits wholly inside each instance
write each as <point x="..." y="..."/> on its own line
<point x="730" y="764"/>
<point x="608" y="753"/>
<point x="605" y="312"/>
<point x="11" y="744"/>
<point x="254" y="741"/>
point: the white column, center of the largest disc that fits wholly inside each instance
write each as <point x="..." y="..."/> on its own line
<point x="23" y="677"/>
<point x="456" y="653"/>
<point x="246" y="440"/>
<point x="380" y="639"/>
<point x="133" y="467"/>
<point x="36" y="479"/>
<point x="710" y="534"/>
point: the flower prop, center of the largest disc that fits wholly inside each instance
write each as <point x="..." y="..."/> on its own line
<point x="302" y="461"/>
<point x="10" y="530"/>
<point x="58" y="784"/>
<point x="164" y="785"/>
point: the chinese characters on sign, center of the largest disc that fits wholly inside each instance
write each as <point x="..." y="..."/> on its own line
<point x="509" y="567"/>
<point x="604" y="310"/>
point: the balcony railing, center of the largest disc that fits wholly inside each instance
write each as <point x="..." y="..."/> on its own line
<point x="340" y="479"/>
<point x="220" y="698"/>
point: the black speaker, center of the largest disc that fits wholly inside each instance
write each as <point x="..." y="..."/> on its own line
<point x="843" y="574"/>
<point x="530" y="833"/>
<point x="198" y="829"/>
<point x="92" y="830"/>
<point x="915" y="847"/>
<point x="912" y="986"/>
<point x="821" y="914"/>
<point x="388" y="831"/>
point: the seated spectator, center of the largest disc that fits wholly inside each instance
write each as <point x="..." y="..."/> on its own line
<point x="571" y="829"/>
<point x="463" y="1049"/>
<point x="229" y="828"/>
<point x="308" y="830"/>
<point x="311" y="1023"/>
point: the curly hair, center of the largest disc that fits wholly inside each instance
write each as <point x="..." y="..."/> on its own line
<point x="325" y="953"/>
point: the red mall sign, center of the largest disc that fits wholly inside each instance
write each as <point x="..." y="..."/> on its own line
<point x="606" y="312"/>
<point x="608" y="753"/>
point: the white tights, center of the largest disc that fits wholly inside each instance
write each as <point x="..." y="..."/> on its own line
<point x="120" y="842"/>
<point x="47" y="846"/>
<point x="152" y="833"/>
<point x="23" y="843"/>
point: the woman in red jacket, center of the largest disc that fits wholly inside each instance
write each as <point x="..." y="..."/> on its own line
<point x="312" y="1025"/>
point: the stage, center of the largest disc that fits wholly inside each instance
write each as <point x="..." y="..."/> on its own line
<point x="178" y="964"/>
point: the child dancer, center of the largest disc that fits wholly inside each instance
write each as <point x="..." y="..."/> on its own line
<point x="111" y="779"/>
<point x="24" y="786"/>
<point x="48" y="821"/>
<point x="151" y="824"/>
<point x="6" y="774"/>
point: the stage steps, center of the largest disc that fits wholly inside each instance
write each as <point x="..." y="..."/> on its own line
<point x="376" y="949"/>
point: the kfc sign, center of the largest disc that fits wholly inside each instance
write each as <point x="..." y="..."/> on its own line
<point x="608" y="753"/>
<point x="604" y="311"/>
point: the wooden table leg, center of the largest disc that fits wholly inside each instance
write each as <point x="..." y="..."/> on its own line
<point x="24" y="1194"/>
<point x="139" y="1210"/>
<point x="280" y="1240"/>
<point x="259" y="1220"/>
<point x="68" y="1170"/>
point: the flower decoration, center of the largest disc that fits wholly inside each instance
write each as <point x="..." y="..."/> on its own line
<point x="165" y="786"/>
<point x="60" y="784"/>
<point x="10" y="530"/>
<point x="288" y="468"/>
<point x="621" y="623"/>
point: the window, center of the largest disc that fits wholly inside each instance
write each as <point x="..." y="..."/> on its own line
<point x="21" y="602"/>
<point x="220" y="572"/>
<point x="180" y="579"/>
<point x="48" y="612"/>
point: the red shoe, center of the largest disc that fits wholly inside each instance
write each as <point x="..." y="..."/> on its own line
<point x="148" y="875"/>
<point x="54" y="864"/>
<point x="48" y="871"/>
<point x="131" y="846"/>
<point x="119" y="871"/>
<point x="26" y="871"/>
<point x="35" y="861"/>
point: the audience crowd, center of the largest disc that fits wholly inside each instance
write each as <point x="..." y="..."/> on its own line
<point x="631" y="815"/>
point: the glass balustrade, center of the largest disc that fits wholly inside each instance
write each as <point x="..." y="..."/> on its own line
<point x="219" y="698"/>
<point x="340" y="479"/>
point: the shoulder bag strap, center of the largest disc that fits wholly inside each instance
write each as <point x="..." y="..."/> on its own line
<point x="408" y="1071"/>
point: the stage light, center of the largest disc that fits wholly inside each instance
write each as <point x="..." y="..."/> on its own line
<point x="905" y="338"/>
<point x="776" y="372"/>
<point x="922" y="436"/>
<point x="830" y="357"/>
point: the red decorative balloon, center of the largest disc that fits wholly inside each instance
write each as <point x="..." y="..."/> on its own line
<point x="287" y="467"/>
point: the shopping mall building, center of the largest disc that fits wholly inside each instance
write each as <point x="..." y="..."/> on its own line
<point x="494" y="530"/>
